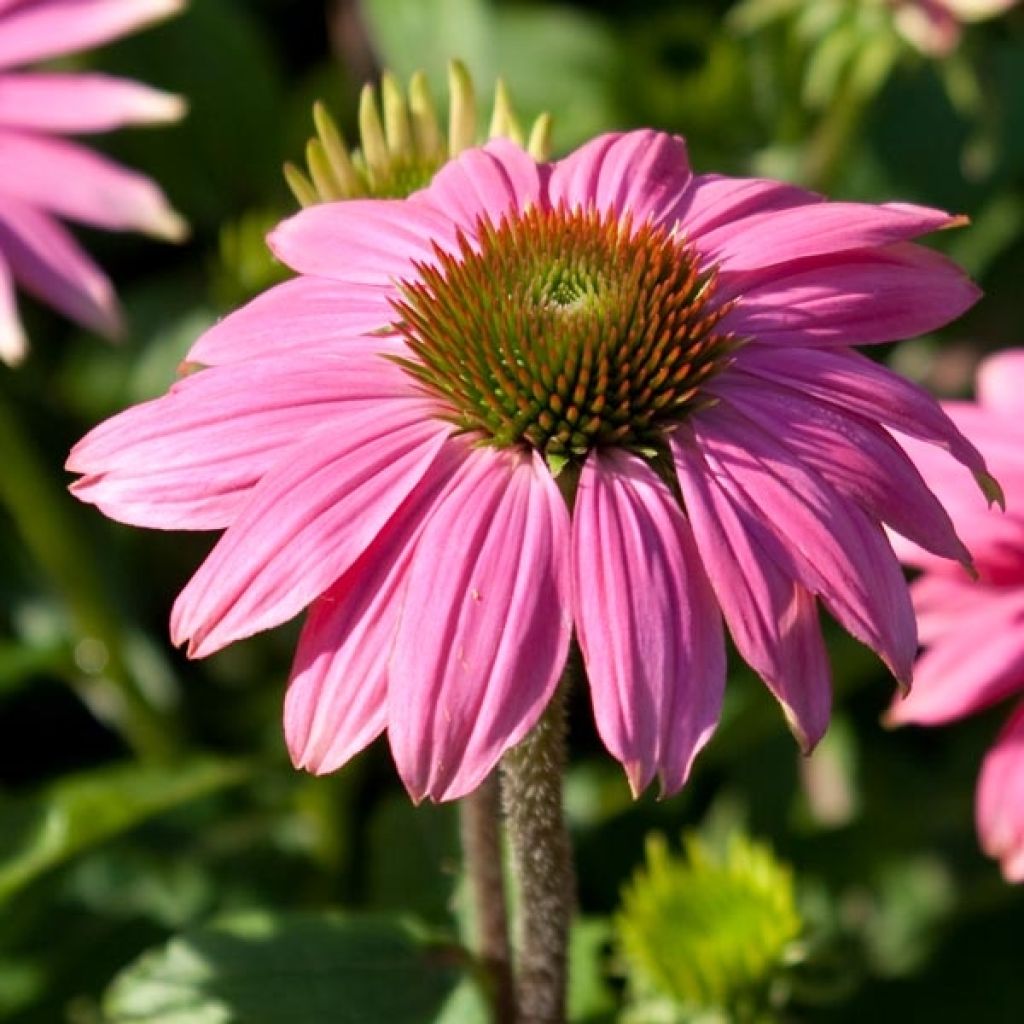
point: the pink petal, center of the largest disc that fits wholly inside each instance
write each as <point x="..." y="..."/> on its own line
<point x="773" y="619"/>
<point x="56" y="102"/>
<point x="839" y="554"/>
<point x="713" y="201"/>
<point x="855" y="299"/>
<point x="306" y="524"/>
<point x="490" y="182"/>
<point x="643" y="173"/>
<point x="816" y="229"/>
<point x="977" y="662"/>
<point x="1000" y="382"/>
<point x="13" y="343"/>
<point x="189" y="460"/>
<point x="1000" y="800"/>
<point x="298" y="318"/>
<point x="363" y="241"/>
<point x="47" y="262"/>
<point x="42" y="29"/>
<point x="484" y="632"/>
<point x="854" y="455"/>
<point x="64" y="178"/>
<point x="647" y="622"/>
<point x="337" y="697"/>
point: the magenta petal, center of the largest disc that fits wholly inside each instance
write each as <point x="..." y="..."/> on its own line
<point x="779" y="236"/>
<point x="1000" y="800"/>
<point x="306" y="523"/>
<point x="297" y="318"/>
<point x="489" y="182"/>
<point x="855" y="299"/>
<point x="71" y="181"/>
<point x="1001" y="382"/>
<point x="643" y="173"/>
<point x="190" y="459"/>
<point x="484" y="632"/>
<point x="363" y="241"/>
<point x="47" y="262"/>
<point x="855" y="455"/>
<point x="647" y="622"/>
<point x="62" y="102"/>
<point x="337" y="697"/>
<point x="838" y="552"/>
<point x="41" y="29"/>
<point x="12" y="338"/>
<point x="772" y="618"/>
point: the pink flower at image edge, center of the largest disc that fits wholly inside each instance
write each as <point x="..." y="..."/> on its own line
<point x="934" y="26"/>
<point x="973" y="630"/>
<point x="378" y="438"/>
<point x="44" y="177"/>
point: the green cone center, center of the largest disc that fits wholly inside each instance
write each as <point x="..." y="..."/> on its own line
<point x="565" y="331"/>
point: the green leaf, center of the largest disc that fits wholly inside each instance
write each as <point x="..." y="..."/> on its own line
<point x="79" y="812"/>
<point x="264" y="968"/>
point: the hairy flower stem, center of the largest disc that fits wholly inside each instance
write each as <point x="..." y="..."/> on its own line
<point x="542" y="857"/>
<point x="481" y="846"/>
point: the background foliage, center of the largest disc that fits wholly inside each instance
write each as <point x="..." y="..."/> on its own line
<point x="147" y="808"/>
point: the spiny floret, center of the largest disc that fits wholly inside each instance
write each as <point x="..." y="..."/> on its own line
<point x="566" y="330"/>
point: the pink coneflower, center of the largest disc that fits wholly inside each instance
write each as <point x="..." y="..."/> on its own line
<point x="935" y="26"/>
<point x="44" y="177"/>
<point x="603" y="396"/>
<point x="973" y="630"/>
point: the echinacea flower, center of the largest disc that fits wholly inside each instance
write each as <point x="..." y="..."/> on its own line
<point x="603" y="397"/>
<point x="44" y="177"/>
<point x="973" y="629"/>
<point x="934" y="26"/>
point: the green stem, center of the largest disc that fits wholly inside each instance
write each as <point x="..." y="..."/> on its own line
<point x="532" y="776"/>
<point x="484" y="863"/>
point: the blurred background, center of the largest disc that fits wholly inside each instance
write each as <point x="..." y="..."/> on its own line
<point x="143" y="796"/>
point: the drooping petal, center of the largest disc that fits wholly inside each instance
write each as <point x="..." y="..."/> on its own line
<point x="484" y="631"/>
<point x="79" y="103"/>
<point x="47" y="262"/>
<point x="296" y="319"/>
<point x="643" y="173"/>
<point x="497" y="179"/>
<point x="50" y="28"/>
<point x="1000" y="801"/>
<point x="816" y="229"/>
<point x="13" y="343"/>
<point x="855" y="455"/>
<point x="363" y="241"/>
<point x="1000" y="382"/>
<point x="772" y="618"/>
<point x="71" y="181"/>
<point x="647" y="621"/>
<point x="189" y="460"/>
<point x="337" y="695"/>
<point x="857" y="299"/>
<point x="839" y="553"/>
<point x="976" y="662"/>
<point x="306" y="523"/>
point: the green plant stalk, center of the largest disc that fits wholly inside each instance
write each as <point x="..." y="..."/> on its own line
<point x="532" y="777"/>
<point x="40" y="510"/>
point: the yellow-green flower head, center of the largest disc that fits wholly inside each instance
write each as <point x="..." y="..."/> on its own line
<point x="401" y="141"/>
<point x="704" y="931"/>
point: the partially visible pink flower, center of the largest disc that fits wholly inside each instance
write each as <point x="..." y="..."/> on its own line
<point x="604" y="397"/>
<point x="934" y="26"/>
<point x="44" y="177"/>
<point x="973" y="631"/>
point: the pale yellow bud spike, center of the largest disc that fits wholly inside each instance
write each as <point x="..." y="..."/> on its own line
<point x="504" y="123"/>
<point x="371" y="135"/>
<point x="539" y="146"/>
<point x="461" y="109"/>
<point x="337" y="152"/>
<point x="302" y="188"/>
<point x="426" y="130"/>
<point x="328" y="187"/>
<point x="397" y="129"/>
